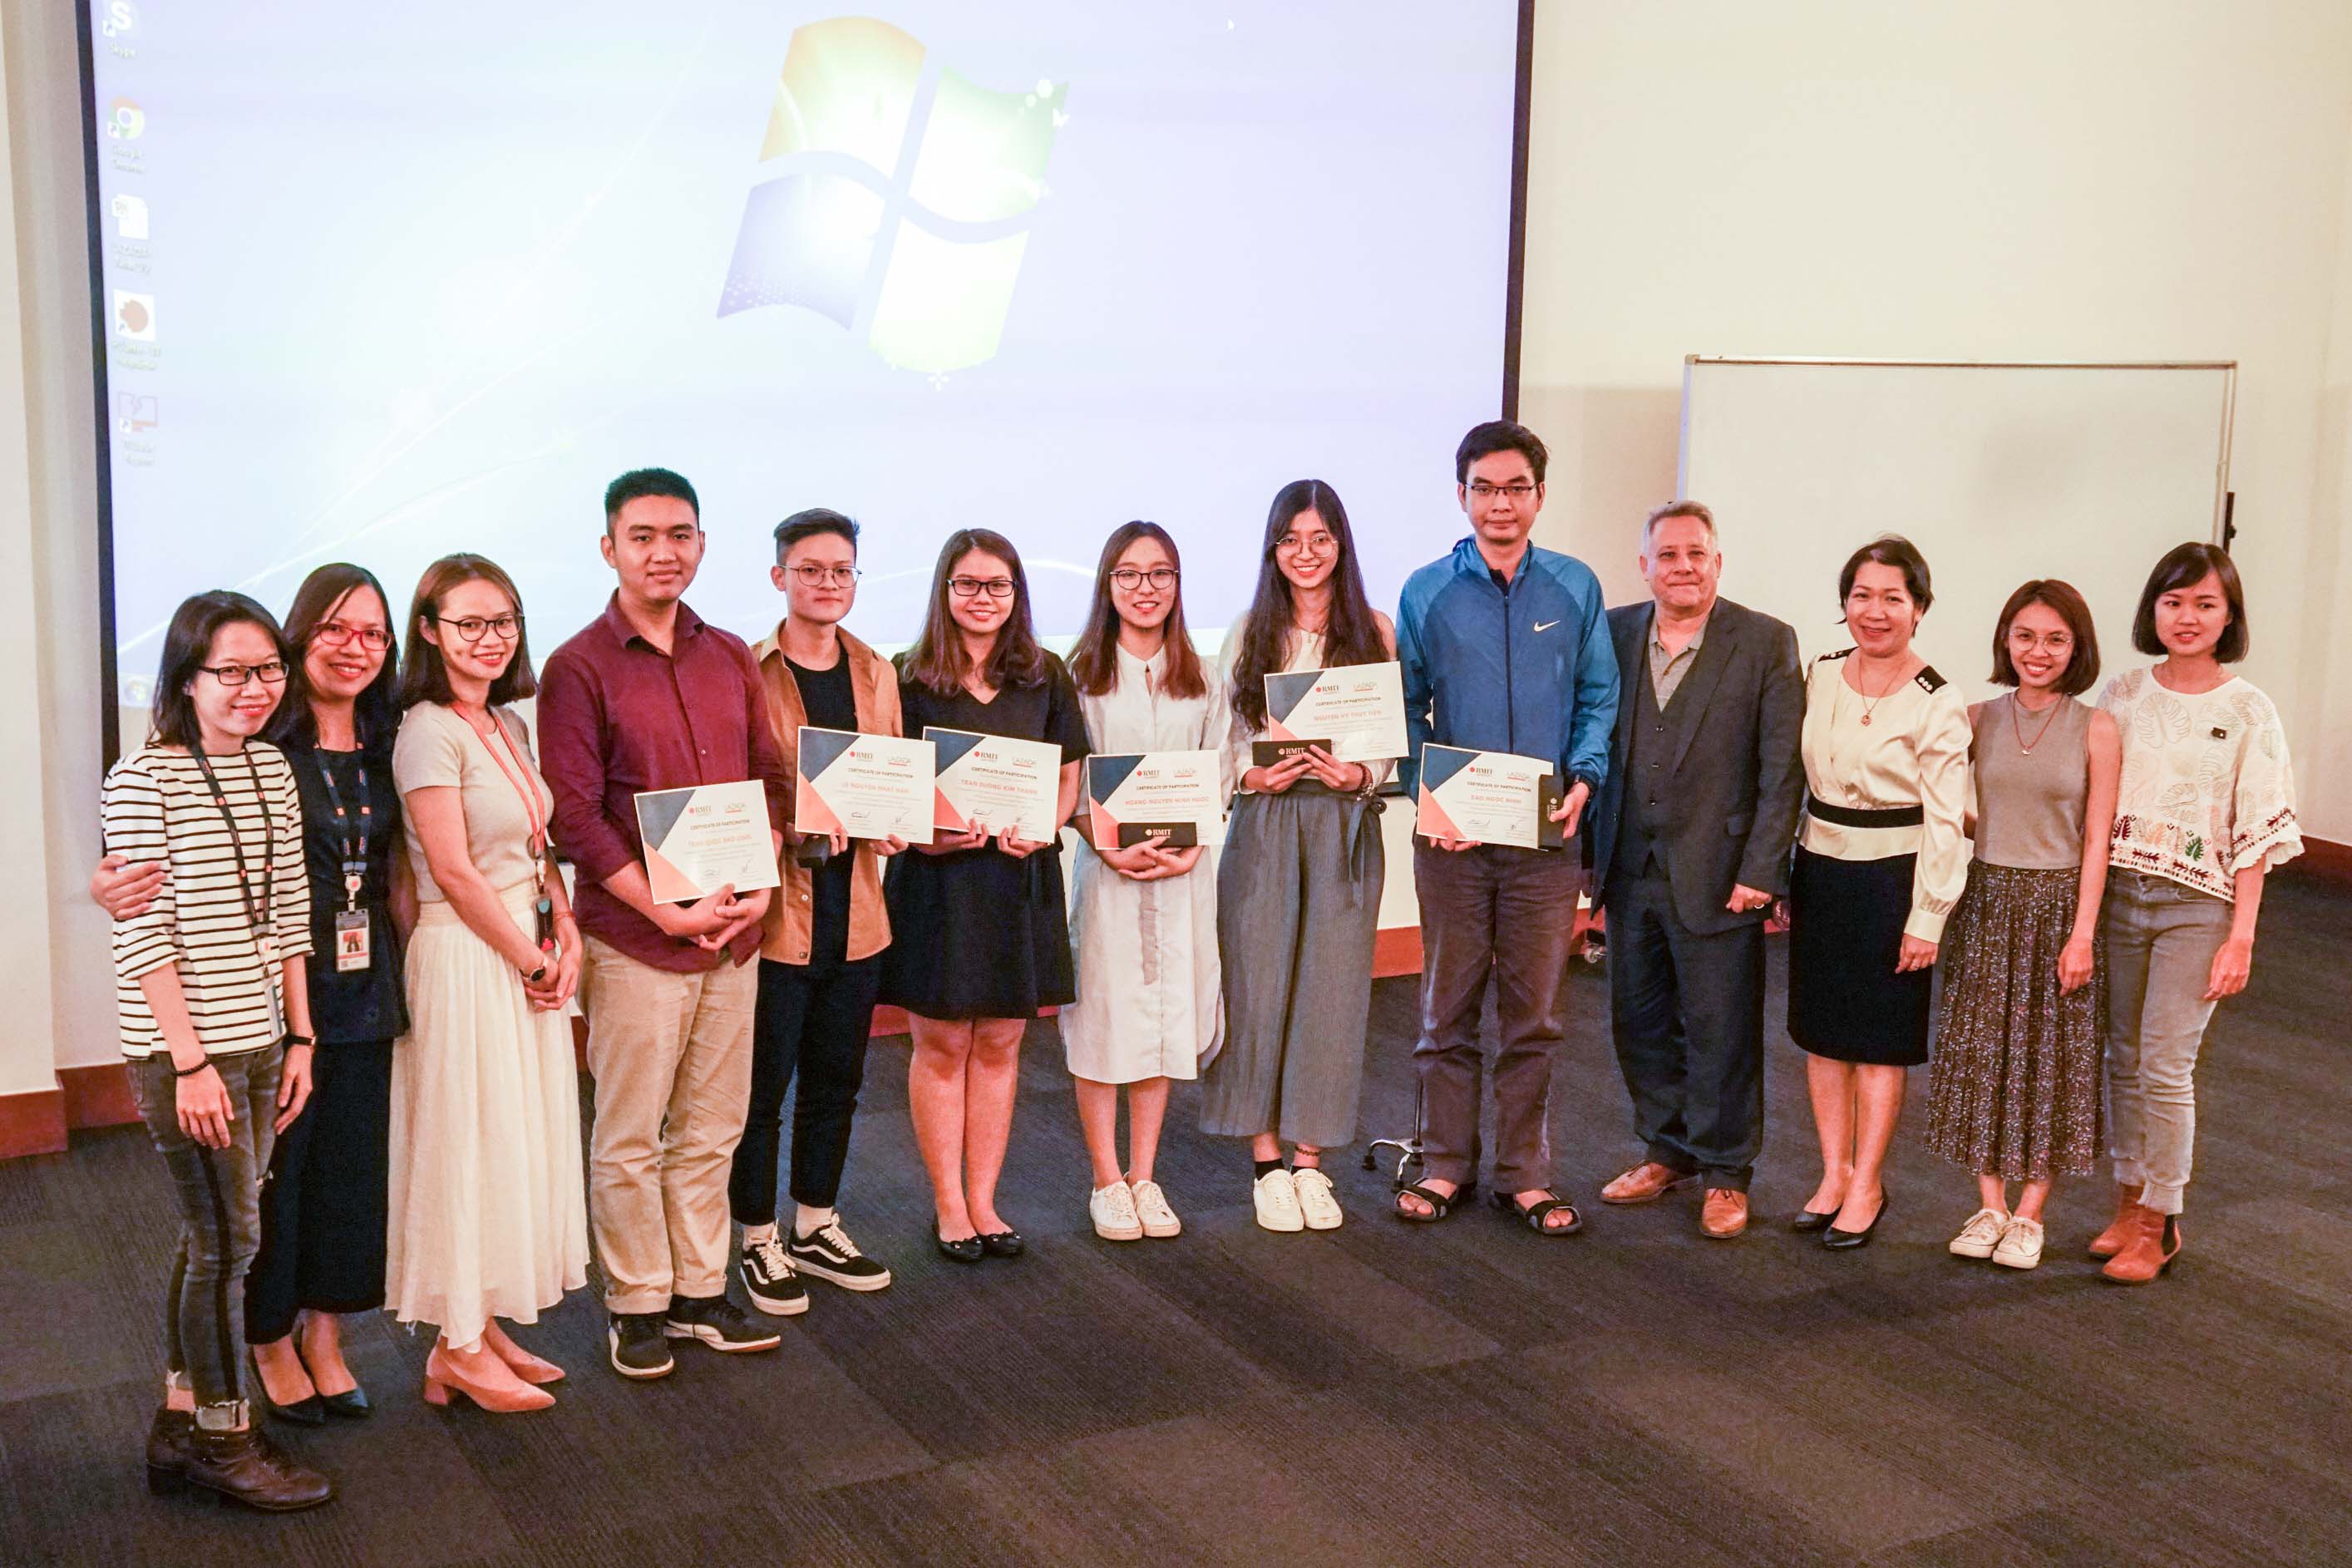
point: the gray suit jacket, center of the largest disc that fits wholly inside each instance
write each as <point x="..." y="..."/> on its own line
<point x="1738" y="780"/>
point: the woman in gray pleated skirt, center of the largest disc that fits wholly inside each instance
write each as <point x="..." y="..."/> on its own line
<point x="1298" y="885"/>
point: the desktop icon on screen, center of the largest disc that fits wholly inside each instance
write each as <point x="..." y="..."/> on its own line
<point x="125" y="121"/>
<point x="136" y="413"/>
<point x="130" y="216"/>
<point x="118" y="19"/>
<point x="134" y="315"/>
<point x="930" y="263"/>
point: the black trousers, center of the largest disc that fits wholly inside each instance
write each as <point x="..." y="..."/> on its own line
<point x="812" y="1022"/>
<point x="1688" y="1011"/>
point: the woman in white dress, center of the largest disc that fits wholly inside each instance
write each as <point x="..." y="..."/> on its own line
<point x="1143" y="923"/>
<point x="488" y="1217"/>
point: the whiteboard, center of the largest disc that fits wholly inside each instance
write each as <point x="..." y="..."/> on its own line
<point x="1999" y="473"/>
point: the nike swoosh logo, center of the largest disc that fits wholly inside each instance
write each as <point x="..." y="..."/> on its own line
<point x="1546" y="626"/>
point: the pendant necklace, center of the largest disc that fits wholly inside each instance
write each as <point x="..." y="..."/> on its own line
<point x="1870" y="703"/>
<point x="2018" y="729"/>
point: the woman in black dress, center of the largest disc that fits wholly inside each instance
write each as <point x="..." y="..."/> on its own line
<point x="980" y="940"/>
<point x="322" y="1205"/>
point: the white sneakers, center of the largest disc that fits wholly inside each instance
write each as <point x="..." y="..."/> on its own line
<point x="2011" y="1242"/>
<point x="1124" y="1212"/>
<point x="1981" y="1235"/>
<point x="1297" y="1200"/>
<point x="2021" y="1245"/>
<point x="1277" y="1202"/>
<point x="1315" y="1203"/>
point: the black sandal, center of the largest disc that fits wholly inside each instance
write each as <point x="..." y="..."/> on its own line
<point x="1534" y="1214"/>
<point x="1440" y="1203"/>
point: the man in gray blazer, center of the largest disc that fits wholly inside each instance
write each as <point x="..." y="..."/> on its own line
<point x="1690" y="847"/>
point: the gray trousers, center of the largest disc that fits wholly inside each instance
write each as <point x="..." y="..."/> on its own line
<point x="2161" y="939"/>
<point x="219" y="1196"/>
<point x="1298" y="897"/>
<point x="1507" y="914"/>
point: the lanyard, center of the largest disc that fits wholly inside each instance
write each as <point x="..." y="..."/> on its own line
<point x="518" y="776"/>
<point x="353" y="832"/>
<point x="254" y="907"/>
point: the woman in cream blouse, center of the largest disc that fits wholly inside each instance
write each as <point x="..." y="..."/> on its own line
<point x="1881" y="861"/>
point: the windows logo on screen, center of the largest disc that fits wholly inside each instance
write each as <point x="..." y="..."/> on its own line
<point x="893" y="201"/>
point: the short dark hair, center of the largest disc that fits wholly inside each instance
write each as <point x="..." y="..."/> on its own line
<point x="1890" y="550"/>
<point x="187" y="643"/>
<point x="639" y="483"/>
<point x="811" y="522"/>
<point x="1499" y="435"/>
<point x="2182" y="567"/>
<point x="377" y="714"/>
<point x="423" y="677"/>
<point x="2082" y="665"/>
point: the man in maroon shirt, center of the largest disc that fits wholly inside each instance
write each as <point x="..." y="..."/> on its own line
<point x="648" y="697"/>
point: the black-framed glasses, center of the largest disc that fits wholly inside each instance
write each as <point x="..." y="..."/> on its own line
<point x="1519" y="490"/>
<point x="271" y="672"/>
<point x="973" y="587"/>
<point x="816" y="577"/>
<point x="375" y="639"/>
<point x="473" y="629"/>
<point x="1129" y="578"/>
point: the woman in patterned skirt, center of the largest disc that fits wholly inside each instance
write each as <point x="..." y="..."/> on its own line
<point x="2014" y="1094"/>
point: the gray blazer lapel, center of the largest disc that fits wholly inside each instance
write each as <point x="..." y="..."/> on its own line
<point x="1691" y="698"/>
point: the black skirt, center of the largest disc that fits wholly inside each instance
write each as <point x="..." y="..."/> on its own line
<point x="1845" y="936"/>
<point x="322" y="1206"/>
<point x="977" y="934"/>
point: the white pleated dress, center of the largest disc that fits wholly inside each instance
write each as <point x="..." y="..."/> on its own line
<point x="488" y="1217"/>
<point x="1148" y="993"/>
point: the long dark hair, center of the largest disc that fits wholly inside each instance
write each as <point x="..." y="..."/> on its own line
<point x="1352" y="636"/>
<point x="376" y="711"/>
<point x="187" y="643"/>
<point x="1094" y="662"/>
<point x="938" y="662"/>
<point x="423" y="675"/>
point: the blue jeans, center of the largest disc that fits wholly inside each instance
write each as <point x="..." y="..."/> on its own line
<point x="2161" y="939"/>
<point x="219" y="1196"/>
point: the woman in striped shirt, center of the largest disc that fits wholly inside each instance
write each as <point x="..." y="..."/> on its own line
<point x="210" y="985"/>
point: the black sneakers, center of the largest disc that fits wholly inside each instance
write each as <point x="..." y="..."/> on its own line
<point x="718" y="1324"/>
<point x="767" y="1280"/>
<point x="638" y="1347"/>
<point x="829" y="1254"/>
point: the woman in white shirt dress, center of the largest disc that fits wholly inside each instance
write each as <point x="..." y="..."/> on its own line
<point x="1143" y="922"/>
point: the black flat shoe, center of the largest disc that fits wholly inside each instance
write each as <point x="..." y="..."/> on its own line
<point x="1004" y="1244"/>
<point x="350" y="1405"/>
<point x="1809" y="1221"/>
<point x="306" y="1412"/>
<point x="1838" y="1240"/>
<point x="970" y="1249"/>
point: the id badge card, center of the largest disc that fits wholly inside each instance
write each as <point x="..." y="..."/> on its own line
<point x="353" y="935"/>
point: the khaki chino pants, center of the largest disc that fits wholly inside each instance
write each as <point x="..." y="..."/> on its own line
<point x="672" y="1058"/>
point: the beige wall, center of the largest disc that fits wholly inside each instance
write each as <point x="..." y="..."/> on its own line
<point x="2009" y="179"/>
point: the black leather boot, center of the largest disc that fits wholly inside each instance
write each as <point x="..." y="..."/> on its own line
<point x="167" y="1449"/>
<point x="245" y="1466"/>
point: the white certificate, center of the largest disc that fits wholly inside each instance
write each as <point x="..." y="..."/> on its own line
<point x="1486" y="797"/>
<point x="863" y="786"/>
<point x="1356" y="709"/>
<point x="1175" y="797"/>
<point x="708" y="836"/>
<point x="991" y="783"/>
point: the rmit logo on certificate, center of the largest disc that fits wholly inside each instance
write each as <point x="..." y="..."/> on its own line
<point x="895" y="196"/>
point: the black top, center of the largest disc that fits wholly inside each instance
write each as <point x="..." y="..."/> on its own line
<point x="831" y="703"/>
<point x="362" y="1004"/>
<point x="1047" y="711"/>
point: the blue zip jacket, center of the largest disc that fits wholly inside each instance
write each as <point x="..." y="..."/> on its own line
<point x="1532" y="669"/>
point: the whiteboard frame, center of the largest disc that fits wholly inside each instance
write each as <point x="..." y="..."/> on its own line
<point x="2227" y="367"/>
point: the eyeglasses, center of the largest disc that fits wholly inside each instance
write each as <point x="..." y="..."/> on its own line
<point x="1129" y="578"/>
<point x="1485" y="491"/>
<point x="375" y="639"/>
<point x="470" y="628"/>
<point x="1310" y="544"/>
<point x="234" y="676"/>
<point x="972" y="588"/>
<point x="817" y="576"/>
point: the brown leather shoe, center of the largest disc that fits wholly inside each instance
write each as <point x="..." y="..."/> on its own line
<point x="1726" y="1214"/>
<point x="245" y="1466"/>
<point x="1645" y="1184"/>
<point x="2110" y="1241"/>
<point x="2153" y="1243"/>
<point x="167" y="1449"/>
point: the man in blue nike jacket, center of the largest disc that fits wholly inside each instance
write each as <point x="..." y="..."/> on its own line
<point x="1506" y="649"/>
